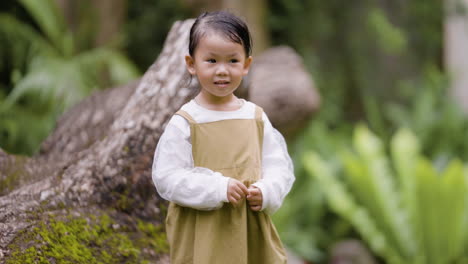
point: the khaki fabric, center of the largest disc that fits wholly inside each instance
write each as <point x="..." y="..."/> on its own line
<point x="229" y="235"/>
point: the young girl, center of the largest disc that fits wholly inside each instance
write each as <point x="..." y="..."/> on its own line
<point x="219" y="162"/>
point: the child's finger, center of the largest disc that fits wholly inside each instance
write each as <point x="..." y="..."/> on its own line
<point x="243" y="188"/>
<point x="240" y="192"/>
<point x="253" y="198"/>
<point x="256" y="207"/>
<point x="236" y="196"/>
<point x="252" y="203"/>
<point x="254" y="195"/>
<point x="254" y="191"/>
<point x="233" y="200"/>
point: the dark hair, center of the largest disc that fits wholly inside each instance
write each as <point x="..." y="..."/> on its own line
<point x="222" y="22"/>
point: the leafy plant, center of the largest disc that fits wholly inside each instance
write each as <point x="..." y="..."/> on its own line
<point x="305" y="224"/>
<point x="50" y="73"/>
<point x="433" y="115"/>
<point x="360" y="49"/>
<point x="404" y="208"/>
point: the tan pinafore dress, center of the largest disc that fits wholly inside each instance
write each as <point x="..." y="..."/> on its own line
<point x="229" y="235"/>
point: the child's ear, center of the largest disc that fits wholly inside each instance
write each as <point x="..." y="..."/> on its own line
<point x="247" y="63"/>
<point x="190" y="64"/>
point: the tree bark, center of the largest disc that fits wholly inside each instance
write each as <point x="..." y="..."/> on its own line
<point x="455" y="49"/>
<point x="117" y="164"/>
<point x="253" y="12"/>
<point x="107" y="18"/>
<point x="102" y="149"/>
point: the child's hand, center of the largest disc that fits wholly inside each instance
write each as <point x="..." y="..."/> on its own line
<point x="255" y="198"/>
<point x="236" y="191"/>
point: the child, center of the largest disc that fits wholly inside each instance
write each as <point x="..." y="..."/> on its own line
<point x="219" y="162"/>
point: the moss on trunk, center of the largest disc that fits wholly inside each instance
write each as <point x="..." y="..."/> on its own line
<point x="94" y="239"/>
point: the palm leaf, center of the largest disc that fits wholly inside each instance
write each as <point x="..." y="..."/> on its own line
<point x="343" y="203"/>
<point x="452" y="211"/>
<point x="121" y="70"/>
<point x="385" y="199"/>
<point x="405" y="150"/>
<point x="46" y="71"/>
<point x="52" y="23"/>
<point x="70" y="80"/>
<point x="423" y="221"/>
<point x="20" y="42"/>
<point x="52" y="77"/>
<point x="428" y="204"/>
<point x="23" y="127"/>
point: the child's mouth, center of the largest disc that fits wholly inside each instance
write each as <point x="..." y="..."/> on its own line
<point x="221" y="83"/>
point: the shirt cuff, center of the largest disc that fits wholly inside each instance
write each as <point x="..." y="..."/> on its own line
<point x="264" y="191"/>
<point x="223" y="186"/>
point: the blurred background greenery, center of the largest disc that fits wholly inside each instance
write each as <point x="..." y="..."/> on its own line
<point x="379" y="67"/>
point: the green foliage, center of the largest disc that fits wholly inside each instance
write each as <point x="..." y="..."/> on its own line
<point x="148" y="23"/>
<point x="432" y="114"/>
<point x="427" y="109"/>
<point x="406" y="210"/>
<point x="389" y="37"/>
<point x="24" y="125"/>
<point x="154" y="237"/>
<point x="304" y="222"/>
<point x="357" y="50"/>
<point x="88" y="240"/>
<point x="49" y="73"/>
<point x="373" y="61"/>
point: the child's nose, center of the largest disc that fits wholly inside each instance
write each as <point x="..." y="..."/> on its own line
<point x="221" y="70"/>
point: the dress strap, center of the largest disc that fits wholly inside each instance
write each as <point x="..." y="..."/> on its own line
<point x="258" y="113"/>
<point x="186" y="115"/>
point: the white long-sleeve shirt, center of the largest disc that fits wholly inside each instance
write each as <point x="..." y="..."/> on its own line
<point x="177" y="180"/>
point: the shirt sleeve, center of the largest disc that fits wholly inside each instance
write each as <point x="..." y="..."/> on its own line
<point x="177" y="180"/>
<point x="277" y="169"/>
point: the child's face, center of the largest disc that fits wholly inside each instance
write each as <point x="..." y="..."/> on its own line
<point x="219" y="64"/>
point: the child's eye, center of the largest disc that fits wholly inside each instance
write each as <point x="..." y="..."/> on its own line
<point x="211" y="60"/>
<point x="234" y="60"/>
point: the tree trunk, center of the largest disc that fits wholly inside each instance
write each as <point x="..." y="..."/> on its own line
<point x="98" y="159"/>
<point x="107" y="18"/>
<point x="111" y="18"/>
<point x="111" y="168"/>
<point x="253" y="12"/>
<point x="456" y="52"/>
